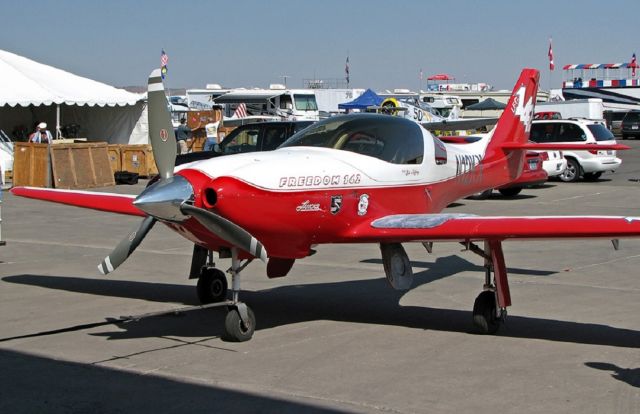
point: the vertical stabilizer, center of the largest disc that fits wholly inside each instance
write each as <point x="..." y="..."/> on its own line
<point x="515" y="123"/>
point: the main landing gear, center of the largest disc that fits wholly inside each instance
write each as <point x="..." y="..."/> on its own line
<point x="490" y="307"/>
<point x="240" y="322"/>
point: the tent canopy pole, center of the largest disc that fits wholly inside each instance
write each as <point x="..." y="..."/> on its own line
<point x="58" y="132"/>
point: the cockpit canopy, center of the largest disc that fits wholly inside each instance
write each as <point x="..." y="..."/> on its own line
<point x="388" y="138"/>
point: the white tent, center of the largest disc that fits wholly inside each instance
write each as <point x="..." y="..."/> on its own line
<point x="32" y="92"/>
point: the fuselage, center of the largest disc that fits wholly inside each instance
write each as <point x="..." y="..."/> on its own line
<point x="299" y="196"/>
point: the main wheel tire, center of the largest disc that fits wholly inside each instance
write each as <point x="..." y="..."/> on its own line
<point x="481" y="196"/>
<point x="237" y="331"/>
<point x="592" y="176"/>
<point x="572" y="172"/>
<point x="212" y="286"/>
<point x="484" y="313"/>
<point x="510" y="192"/>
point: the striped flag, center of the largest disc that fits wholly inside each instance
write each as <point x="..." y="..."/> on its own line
<point x="346" y="70"/>
<point x="633" y="65"/>
<point x="164" y="59"/>
<point x="552" y="66"/>
<point x="241" y="111"/>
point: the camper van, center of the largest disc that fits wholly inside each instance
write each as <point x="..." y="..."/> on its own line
<point x="287" y="104"/>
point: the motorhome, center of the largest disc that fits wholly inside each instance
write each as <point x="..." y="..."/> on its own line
<point x="287" y="104"/>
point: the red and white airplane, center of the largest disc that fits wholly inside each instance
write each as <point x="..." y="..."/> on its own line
<point x="362" y="178"/>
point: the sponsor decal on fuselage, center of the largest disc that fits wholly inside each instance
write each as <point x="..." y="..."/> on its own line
<point x="307" y="206"/>
<point x="336" y="204"/>
<point x="363" y="204"/>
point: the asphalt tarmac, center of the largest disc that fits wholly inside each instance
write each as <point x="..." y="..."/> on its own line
<point x="332" y="336"/>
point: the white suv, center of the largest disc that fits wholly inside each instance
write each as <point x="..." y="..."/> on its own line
<point x="589" y="164"/>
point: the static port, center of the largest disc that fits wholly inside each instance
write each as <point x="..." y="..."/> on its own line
<point x="210" y="197"/>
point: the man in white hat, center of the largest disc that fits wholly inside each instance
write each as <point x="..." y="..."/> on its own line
<point x="42" y="135"/>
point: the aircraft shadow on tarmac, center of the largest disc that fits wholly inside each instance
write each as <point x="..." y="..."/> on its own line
<point x="32" y="384"/>
<point x="369" y="301"/>
<point x="630" y="376"/>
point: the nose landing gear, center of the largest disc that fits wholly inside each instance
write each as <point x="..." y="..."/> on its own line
<point x="212" y="288"/>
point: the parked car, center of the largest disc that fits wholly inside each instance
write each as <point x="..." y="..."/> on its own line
<point x="553" y="162"/>
<point x="588" y="164"/>
<point x="547" y="115"/>
<point x="613" y="120"/>
<point x="532" y="174"/>
<point x="631" y="125"/>
<point x="259" y="136"/>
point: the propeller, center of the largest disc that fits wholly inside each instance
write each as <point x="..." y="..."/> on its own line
<point x="163" y="144"/>
<point x="227" y="230"/>
<point x="169" y="198"/>
<point x="126" y="246"/>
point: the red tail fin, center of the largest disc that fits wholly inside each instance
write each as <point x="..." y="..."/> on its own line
<point x="515" y="123"/>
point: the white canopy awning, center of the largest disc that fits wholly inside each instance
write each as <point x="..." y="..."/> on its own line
<point x="25" y="82"/>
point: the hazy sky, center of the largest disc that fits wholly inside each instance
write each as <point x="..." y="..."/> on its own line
<point x="252" y="43"/>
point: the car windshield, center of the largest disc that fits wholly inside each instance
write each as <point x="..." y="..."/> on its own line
<point x="387" y="138"/>
<point x="600" y="132"/>
<point x="305" y="102"/>
<point x="632" y="117"/>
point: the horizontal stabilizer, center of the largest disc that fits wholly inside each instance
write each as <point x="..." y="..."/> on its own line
<point x="562" y="147"/>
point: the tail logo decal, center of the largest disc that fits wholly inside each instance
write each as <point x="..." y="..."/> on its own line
<point x="524" y="111"/>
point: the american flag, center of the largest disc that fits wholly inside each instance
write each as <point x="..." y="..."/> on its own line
<point x="633" y="65"/>
<point x="241" y="111"/>
<point x="164" y="59"/>
<point x="552" y="66"/>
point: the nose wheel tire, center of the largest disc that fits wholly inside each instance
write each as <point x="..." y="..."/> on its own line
<point x="236" y="329"/>
<point x="572" y="172"/>
<point x="485" y="316"/>
<point x="212" y="286"/>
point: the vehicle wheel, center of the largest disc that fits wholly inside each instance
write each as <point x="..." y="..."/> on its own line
<point x="484" y="313"/>
<point x="237" y="331"/>
<point x="481" y="196"/>
<point x="572" y="172"/>
<point x="592" y="176"/>
<point x="624" y="137"/>
<point x="212" y="286"/>
<point x="510" y="192"/>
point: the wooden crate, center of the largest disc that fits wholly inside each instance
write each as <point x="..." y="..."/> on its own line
<point x="198" y="119"/>
<point x="138" y="159"/>
<point x="115" y="157"/>
<point x="31" y="165"/>
<point x="81" y="165"/>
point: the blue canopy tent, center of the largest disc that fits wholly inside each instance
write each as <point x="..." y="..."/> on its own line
<point x="362" y="102"/>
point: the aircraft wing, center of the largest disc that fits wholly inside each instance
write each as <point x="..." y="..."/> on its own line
<point x="459" y="124"/>
<point x="462" y="227"/>
<point x="110" y="202"/>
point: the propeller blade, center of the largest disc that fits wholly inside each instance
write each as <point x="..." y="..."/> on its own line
<point x="126" y="247"/>
<point x="161" y="135"/>
<point x="227" y="231"/>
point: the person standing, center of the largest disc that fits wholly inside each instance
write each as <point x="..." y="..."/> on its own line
<point x="41" y="135"/>
<point x="182" y="134"/>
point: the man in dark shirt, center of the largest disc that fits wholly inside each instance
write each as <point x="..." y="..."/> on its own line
<point x="182" y="134"/>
